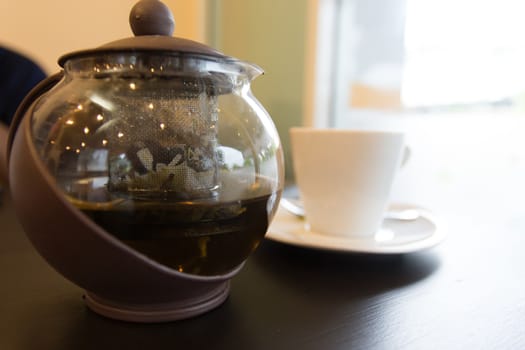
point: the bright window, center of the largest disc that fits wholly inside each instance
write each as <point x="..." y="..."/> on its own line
<point x="394" y="55"/>
<point x="463" y="52"/>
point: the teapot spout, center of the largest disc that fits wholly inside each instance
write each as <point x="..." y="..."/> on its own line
<point x="251" y="70"/>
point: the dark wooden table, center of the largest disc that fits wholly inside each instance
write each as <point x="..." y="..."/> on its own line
<point x="467" y="293"/>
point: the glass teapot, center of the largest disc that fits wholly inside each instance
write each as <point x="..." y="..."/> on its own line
<point x="156" y="145"/>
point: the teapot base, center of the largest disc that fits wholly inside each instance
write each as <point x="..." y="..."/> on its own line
<point x="154" y="313"/>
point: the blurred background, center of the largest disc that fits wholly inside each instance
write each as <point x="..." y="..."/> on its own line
<point x="328" y="63"/>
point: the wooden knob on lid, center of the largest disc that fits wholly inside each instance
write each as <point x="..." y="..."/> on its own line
<point x="151" y="17"/>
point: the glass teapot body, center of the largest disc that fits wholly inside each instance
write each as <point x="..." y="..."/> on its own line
<point x="169" y="153"/>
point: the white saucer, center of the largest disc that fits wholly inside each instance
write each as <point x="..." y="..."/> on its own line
<point x="394" y="237"/>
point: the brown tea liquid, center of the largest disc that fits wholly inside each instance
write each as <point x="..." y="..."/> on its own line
<point x="203" y="237"/>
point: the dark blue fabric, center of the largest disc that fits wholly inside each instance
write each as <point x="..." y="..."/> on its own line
<point x="18" y="75"/>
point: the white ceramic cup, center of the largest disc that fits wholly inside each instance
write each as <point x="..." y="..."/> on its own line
<point x="345" y="177"/>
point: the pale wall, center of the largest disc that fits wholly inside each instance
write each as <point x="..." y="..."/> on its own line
<point x="47" y="29"/>
<point x="272" y="34"/>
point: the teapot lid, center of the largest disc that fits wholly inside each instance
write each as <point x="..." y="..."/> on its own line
<point x="153" y="24"/>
